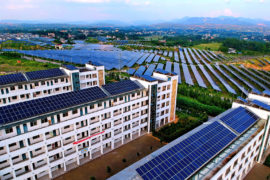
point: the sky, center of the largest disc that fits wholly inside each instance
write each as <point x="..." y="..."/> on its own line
<point x="130" y="10"/>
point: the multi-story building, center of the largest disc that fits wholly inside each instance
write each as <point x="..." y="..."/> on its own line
<point x="225" y="147"/>
<point x="45" y="137"/>
<point x="21" y="87"/>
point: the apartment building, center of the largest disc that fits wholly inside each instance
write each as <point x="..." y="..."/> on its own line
<point x="21" y="87"/>
<point x="46" y="137"/>
<point x="223" y="148"/>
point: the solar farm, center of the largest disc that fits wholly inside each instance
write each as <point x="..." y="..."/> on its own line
<point x="194" y="67"/>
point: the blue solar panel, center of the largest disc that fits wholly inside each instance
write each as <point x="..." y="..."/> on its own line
<point x="70" y="67"/>
<point x="162" y="71"/>
<point x="182" y="57"/>
<point x="198" y="76"/>
<point x="187" y="74"/>
<point x="44" y="74"/>
<point x="187" y="56"/>
<point x="208" y="77"/>
<point x="168" y="66"/>
<point x="266" y="92"/>
<point x="140" y="71"/>
<point x="32" y="108"/>
<point x="12" y="78"/>
<point x="185" y="158"/>
<point x="242" y="99"/>
<point x="131" y="71"/>
<point x="121" y="87"/>
<point x="150" y="70"/>
<point x="177" y="71"/>
<point x="240" y="119"/>
<point x="261" y="104"/>
<point x="160" y="66"/>
<point x="148" y="78"/>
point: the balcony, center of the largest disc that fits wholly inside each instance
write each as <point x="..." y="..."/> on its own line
<point x="70" y="152"/>
<point x="95" y="142"/>
<point x="17" y="162"/>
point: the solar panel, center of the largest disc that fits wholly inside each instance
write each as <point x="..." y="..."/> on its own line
<point x="193" y="56"/>
<point x="156" y="58"/>
<point x="44" y="74"/>
<point x="185" y="158"/>
<point x="160" y="66"/>
<point x="187" y="56"/>
<point x="140" y="71"/>
<point x="70" y="67"/>
<point x="143" y="58"/>
<point x="177" y="71"/>
<point x="176" y="57"/>
<point x="148" y="78"/>
<point x="198" y="76"/>
<point x="12" y="78"/>
<point x="266" y="92"/>
<point x="162" y="71"/>
<point x="150" y="70"/>
<point x="242" y="99"/>
<point x="261" y="104"/>
<point x="208" y="77"/>
<point x="182" y="57"/>
<point x="255" y="75"/>
<point x="131" y="71"/>
<point x="168" y="66"/>
<point x="239" y="119"/>
<point x="32" y="108"/>
<point x="121" y="87"/>
<point x="187" y="75"/>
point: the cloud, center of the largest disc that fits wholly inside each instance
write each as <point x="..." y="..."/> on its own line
<point x="228" y="12"/>
<point x="19" y="6"/>
<point x="224" y="12"/>
<point x="261" y="1"/>
<point x="88" y="1"/>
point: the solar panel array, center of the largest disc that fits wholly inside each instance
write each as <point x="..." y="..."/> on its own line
<point x="12" y="78"/>
<point x="134" y="60"/>
<point x="121" y="87"/>
<point x="160" y="66"/>
<point x="198" y="76"/>
<point x="150" y="70"/>
<point x="168" y="66"/>
<point x="242" y="88"/>
<point x="70" y="67"/>
<point x="202" y="53"/>
<point x="32" y="108"/>
<point x="140" y="71"/>
<point x="187" y="56"/>
<point x="185" y="158"/>
<point x="131" y="71"/>
<point x="255" y="75"/>
<point x="208" y="77"/>
<point x="170" y="54"/>
<point x="142" y="59"/>
<point x="208" y="54"/>
<point x="34" y="75"/>
<point x="249" y="77"/>
<point x="260" y="73"/>
<point x="182" y="57"/>
<point x="150" y="58"/>
<point x="176" y="57"/>
<point x="187" y="74"/>
<point x="165" y="53"/>
<point x="193" y="56"/>
<point x="177" y="71"/>
<point x="156" y="59"/>
<point x="239" y="119"/>
<point x="227" y="86"/>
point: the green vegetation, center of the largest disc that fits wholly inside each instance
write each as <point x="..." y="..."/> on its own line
<point x="186" y="123"/>
<point x="91" y="40"/>
<point x="12" y="62"/>
<point x="208" y="46"/>
<point x="245" y="47"/>
<point x="267" y="161"/>
<point x="21" y="45"/>
<point x="114" y="76"/>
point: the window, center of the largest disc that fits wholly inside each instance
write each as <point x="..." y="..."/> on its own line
<point x="62" y="79"/>
<point x="65" y="114"/>
<point x="42" y="82"/>
<point x="66" y="127"/>
<point x="133" y="95"/>
<point x="57" y="89"/>
<point x="168" y="87"/>
<point x="56" y="80"/>
<point x="99" y="104"/>
<point x="12" y="144"/>
<point x="121" y="98"/>
<point x="75" y="111"/>
<point x="20" y="86"/>
<point x="22" y="96"/>
<point x="35" y="137"/>
<point x="12" y="88"/>
<point x="14" y="97"/>
<point x="34" y="123"/>
<point x="9" y="130"/>
<point x="38" y="149"/>
<point x="92" y="106"/>
<point x="36" y="83"/>
<point x="44" y="120"/>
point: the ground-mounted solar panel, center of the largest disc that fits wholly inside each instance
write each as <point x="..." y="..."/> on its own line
<point x="121" y="87"/>
<point x="267" y="92"/>
<point x="188" y="78"/>
<point x="187" y="56"/>
<point x="198" y="76"/>
<point x="197" y="54"/>
<point x="176" y="57"/>
<point x="150" y="70"/>
<point x="227" y="86"/>
<point x="131" y="71"/>
<point x="255" y="75"/>
<point x="242" y="99"/>
<point x="170" y="54"/>
<point x="209" y="78"/>
<point x="165" y="53"/>
<point x="150" y="58"/>
<point x="202" y="53"/>
<point x="240" y="119"/>
<point x="188" y="156"/>
<point x="261" y="74"/>
<point x="242" y="88"/>
<point x="160" y="66"/>
<point x="193" y="56"/>
<point x="156" y="58"/>
<point x="12" y="78"/>
<point x="182" y="57"/>
<point x="249" y="77"/>
<point x="176" y="69"/>
<point x="239" y="77"/>
<point x="36" y="107"/>
<point x="208" y="54"/>
<point x="168" y="66"/>
<point x="143" y="58"/>
<point x="34" y="75"/>
<point x="140" y="71"/>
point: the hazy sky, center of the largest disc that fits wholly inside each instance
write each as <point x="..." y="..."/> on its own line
<point x="130" y="10"/>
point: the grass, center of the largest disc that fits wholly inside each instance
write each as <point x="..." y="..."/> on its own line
<point x="211" y="46"/>
<point x="10" y="64"/>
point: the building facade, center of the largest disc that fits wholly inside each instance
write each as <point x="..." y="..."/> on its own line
<point x="48" y="136"/>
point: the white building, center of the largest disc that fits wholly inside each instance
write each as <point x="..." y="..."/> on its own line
<point x="45" y="137"/>
<point x="225" y="147"/>
<point x="21" y="87"/>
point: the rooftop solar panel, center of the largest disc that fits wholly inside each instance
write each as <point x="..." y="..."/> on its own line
<point x="266" y="92"/>
<point x="12" y="78"/>
<point x="32" y="108"/>
<point x="70" y="67"/>
<point x="34" y="75"/>
<point x="240" y="119"/>
<point x="185" y="158"/>
<point x="242" y="99"/>
<point x="121" y="87"/>
<point x="131" y="71"/>
<point x="140" y="71"/>
<point x="261" y="104"/>
<point x="148" y="78"/>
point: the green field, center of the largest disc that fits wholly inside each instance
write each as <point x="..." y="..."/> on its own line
<point x="12" y="64"/>
<point x="211" y="46"/>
